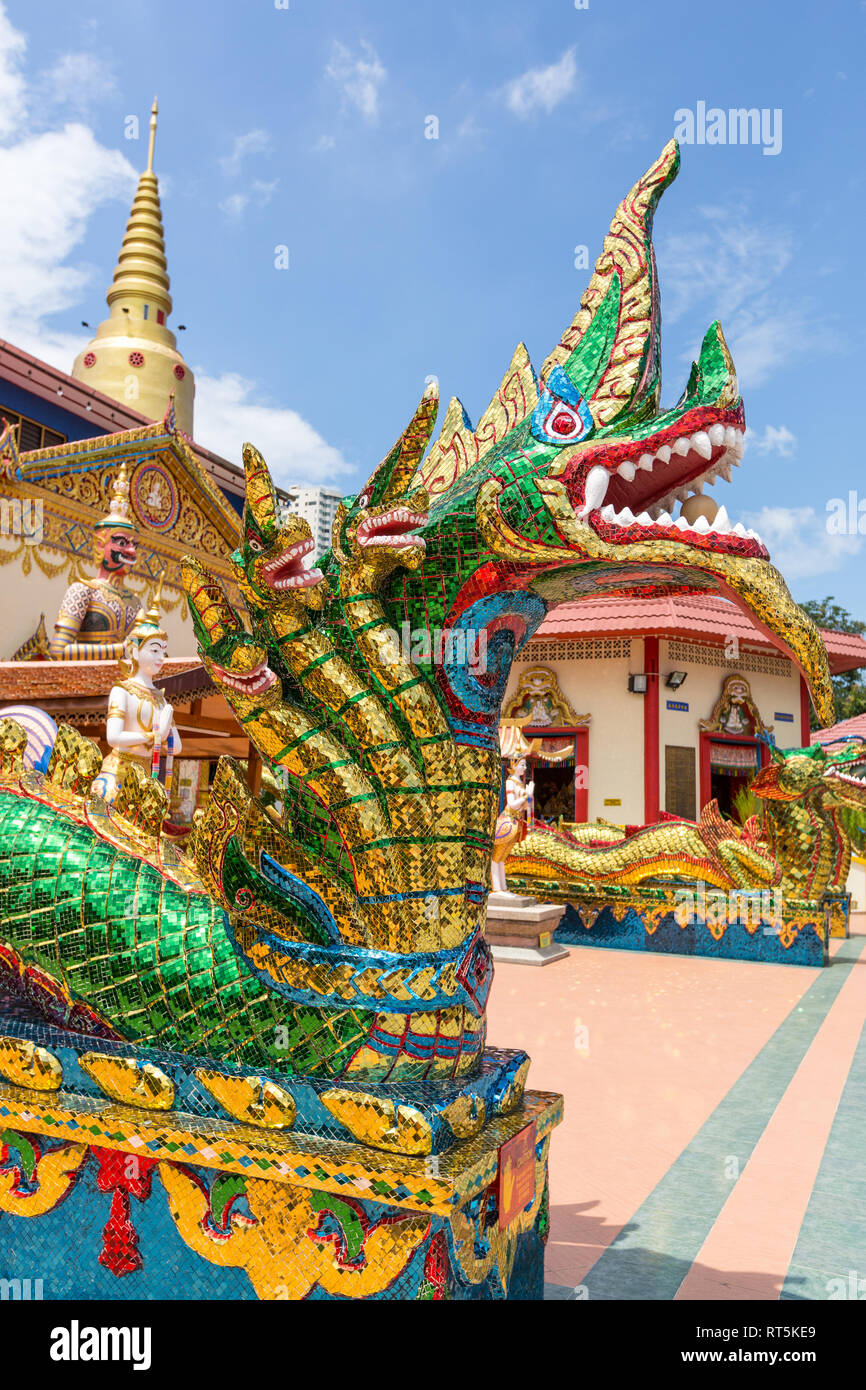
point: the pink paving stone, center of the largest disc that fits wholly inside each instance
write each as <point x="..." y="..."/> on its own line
<point x="667" y="1038"/>
<point x="764" y="1213"/>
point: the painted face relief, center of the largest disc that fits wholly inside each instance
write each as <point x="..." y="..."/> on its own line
<point x="151" y="656"/>
<point x="120" y="552"/>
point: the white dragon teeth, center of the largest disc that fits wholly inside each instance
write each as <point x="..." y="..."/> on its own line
<point x="740" y="530"/>
<point x="646" y="462"/>
<point x="702" y="445"/>
<point x="717" y="435"/>
<point x="627" y="470"/>
<point x="664" y="453"/>
<point x="625" y="517"/>
<point x="701" y="525"/>
<point x="682" y="447"/>
<point x="681" y="524"/>
<point x="645" y="519"/>
<point x="721" y="520"/>
<point x="595" y="489"/>
<point x="607" y="513"/>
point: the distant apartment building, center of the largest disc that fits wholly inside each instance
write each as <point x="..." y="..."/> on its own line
<point x="318" y="506"/>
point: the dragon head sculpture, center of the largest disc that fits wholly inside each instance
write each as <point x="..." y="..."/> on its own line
<point x="567" y="486"/>
<point x="271" y="560"/>
<point x="376" y="531"/>
<point x="804" y="790"/>
<point x="816" y="775"/>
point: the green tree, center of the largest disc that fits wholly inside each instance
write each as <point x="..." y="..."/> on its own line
<point x="849" y="689"/>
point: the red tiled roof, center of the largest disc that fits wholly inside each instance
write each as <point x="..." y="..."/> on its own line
<point x="847" y="728"/>
<point x="30" y="682"/>
<point x="684" y="615"/>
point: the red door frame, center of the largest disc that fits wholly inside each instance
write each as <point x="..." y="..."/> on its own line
<point x="707" y="737"/>
<point x="581" y="759"/>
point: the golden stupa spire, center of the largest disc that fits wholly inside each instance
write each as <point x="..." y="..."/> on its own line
<point x="154" y="112"/>
<point x="142" y="269"/>
<point x="134" y="356"/>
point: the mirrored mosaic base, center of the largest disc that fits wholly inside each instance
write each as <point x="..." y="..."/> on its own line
<point x="101" y="1199"/>
<point x="839" y="905"/>
<point x="690" y="920"/>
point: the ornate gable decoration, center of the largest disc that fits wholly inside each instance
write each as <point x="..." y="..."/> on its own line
<point x="174" y="503"/>
<point x="539" y="703"/>
<point x="735" y="712"/>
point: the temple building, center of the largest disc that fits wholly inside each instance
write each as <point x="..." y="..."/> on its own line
<point x="657" y="705"/>
<point x="104" y="490"/>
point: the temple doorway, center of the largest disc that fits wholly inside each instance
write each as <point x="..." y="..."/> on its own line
<point x="733" y="765"/>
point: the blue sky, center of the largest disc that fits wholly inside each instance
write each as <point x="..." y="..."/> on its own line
<point x="412" y="257"/>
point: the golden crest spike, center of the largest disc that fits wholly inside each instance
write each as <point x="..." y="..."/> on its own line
<point x="260" y="495"/>
<point x="632" y="371"/>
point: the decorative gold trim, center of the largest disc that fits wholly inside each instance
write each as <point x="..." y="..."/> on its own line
<point x="25" y="1064"/>
<point x="131" y="1082"/>
<point x="253" y="1100"/>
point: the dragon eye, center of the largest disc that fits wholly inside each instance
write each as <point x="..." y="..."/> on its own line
<point x="255" y="545"/>
<point x="562" y="416"/>
<point x="363" y="500"/>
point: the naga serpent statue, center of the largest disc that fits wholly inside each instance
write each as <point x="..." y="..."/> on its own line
<point x="344" y="941"/>
<point x="802" y="791"/>
<point x="798" y="844"/>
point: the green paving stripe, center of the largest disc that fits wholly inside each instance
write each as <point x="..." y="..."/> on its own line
<point x="829" y="1260"/>
<point x="655" y="1250"/>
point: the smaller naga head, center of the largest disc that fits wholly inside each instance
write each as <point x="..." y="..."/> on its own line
<point x="377" y="527"/>
<point x="271" y="560"/>
<point x="230" y="654"/>
<point x="832" y="776"/>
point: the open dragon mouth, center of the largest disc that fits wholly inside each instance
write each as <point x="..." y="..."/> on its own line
<point x="854" y="776"/>
<point x="631" y="495"/>
<point x="251" y="682"/>
<point x="288" y="571"/>
<point x="392" y="528"/>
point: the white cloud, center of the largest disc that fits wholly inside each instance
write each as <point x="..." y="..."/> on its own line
<point x="77" y="81"/>
<point x="359" y="76"/>
<point x="254" y="142"/>
<point x="324" y="142"/>
<point x="541" y="89"/>
<point x="52" y="183"/>
<point x="260" y="193"/>
<point x="227" y="414"/>
<point x="799" y="542"/>
<point x="776" y="439"/>
<point x="723" y="258"/>
<point x="12" y="90"/>
<point x="727" y="266"/>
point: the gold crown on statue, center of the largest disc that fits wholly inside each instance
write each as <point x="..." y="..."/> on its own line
<point x="118" y="516"/>
<point x="147" y="624"/>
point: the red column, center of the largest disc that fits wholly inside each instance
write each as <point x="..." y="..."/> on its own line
<point x="651" y="731"/>
<point x="805" y="732"/>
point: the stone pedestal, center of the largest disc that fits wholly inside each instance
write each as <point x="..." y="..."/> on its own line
<point x="520" y="929"/>
<point x="419" y="1190"/>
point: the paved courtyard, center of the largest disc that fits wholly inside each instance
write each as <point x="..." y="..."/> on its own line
<point x="714" y="1142"/>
